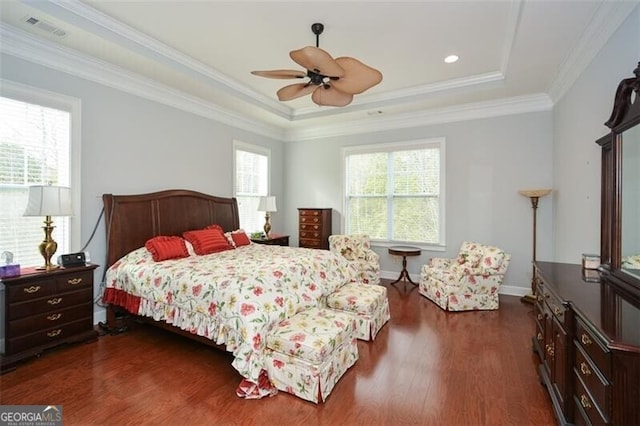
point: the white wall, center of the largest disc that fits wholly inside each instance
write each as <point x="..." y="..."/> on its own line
<point x="578" y="121"/>
<point x="131" y="145"/>
<point x="487" y="162"/>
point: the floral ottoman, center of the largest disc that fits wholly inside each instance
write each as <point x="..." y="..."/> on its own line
<point x="309" y="352"/>
<point x="367" y="303"/>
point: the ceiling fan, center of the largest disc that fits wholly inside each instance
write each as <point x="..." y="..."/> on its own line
<point x="332" y="82"/>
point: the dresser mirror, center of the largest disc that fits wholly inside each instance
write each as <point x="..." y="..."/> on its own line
<point x="620" y="210"/>
<point x="630" y="231"/>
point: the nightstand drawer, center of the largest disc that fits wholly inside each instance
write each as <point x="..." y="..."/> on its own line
<point x="75" y="281"/>
<point x="49" y="304"/>
<point x="49" y="335"/>
<point x="47" y="320"/>
<point x="31" y="290"/>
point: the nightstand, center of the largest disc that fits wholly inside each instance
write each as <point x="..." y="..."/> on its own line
<point x="275" y="240"/>
<point x="42" y="310"/>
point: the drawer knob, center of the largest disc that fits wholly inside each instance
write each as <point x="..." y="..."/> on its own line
<point x="54" y="333"/>
<point x="74" y="281"/>
<point x="584" y="401"/>
<point x="585" y="369"/>
<point x="54" y="301"/>
<point x="54" y="317"/>
<point x="540" y="317"/>
<point x="540" y="298"/>
<point x="557" y="310"/>
<point x="32" y="289"/>
<point x="539" y="337"/>
<point x="585" y="339"/>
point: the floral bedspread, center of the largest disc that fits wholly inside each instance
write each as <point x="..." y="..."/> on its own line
<point x="233" y="297"/>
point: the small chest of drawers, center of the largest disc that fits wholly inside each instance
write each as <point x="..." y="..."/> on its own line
<point x="314" y="228"/>
<point x="45" y="309"/>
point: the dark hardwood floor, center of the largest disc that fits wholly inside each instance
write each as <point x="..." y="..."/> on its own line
<point x="426" y="367"/>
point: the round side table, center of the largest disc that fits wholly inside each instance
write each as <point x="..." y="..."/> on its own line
<point x="404" y="251"/>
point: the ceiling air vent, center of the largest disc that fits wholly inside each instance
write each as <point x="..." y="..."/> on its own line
<point x="45" y="26"/>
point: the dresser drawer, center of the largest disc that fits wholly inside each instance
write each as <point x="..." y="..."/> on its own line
<point x="47" y="320"/>
<point x="590" y="344"/>
<point x="555" y="305"/>
<point x="310" y="235"/>
<point x="50" y="335"/>
<point x="586" y="407"/>
<point x="311" y="227"/>
<point x="310" y="220"/>
<point x="310" y="243"/>
<point x="592" y="380"/>
<point x="32" y="289"/>
<point x="310" y="213"/>
<point x="50" y="304"/>
<point x="75" y="281"/>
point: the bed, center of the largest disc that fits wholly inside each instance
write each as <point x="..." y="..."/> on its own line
<point x="228" y="299"/>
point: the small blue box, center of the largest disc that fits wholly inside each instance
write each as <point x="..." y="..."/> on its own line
<point x="7" y="271"/>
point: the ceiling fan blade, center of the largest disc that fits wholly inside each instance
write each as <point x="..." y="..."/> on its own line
<point x="280" y="74"/>
<point x="357" y="77"/>
<point x="317" y="60"/>
<point x="294" y="91"/>
<point x="326" y="95"/>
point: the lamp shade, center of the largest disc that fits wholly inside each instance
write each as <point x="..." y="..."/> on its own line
<point x="47" y="200"/>
<point x="267" y="204"/>
<point x="534" y="192"/>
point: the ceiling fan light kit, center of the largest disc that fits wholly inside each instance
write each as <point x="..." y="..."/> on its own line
<point x="332" y="82"/>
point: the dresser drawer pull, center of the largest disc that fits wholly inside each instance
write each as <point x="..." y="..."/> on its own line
<point x="584" y="401"/>
<point x="54" y="333"/>
<point x="54" y="317"/>
<point x="557" y="311"/>
<point x="315" y="220"/>
<point x="74" y="281"/>
<point x="54" y="301"/>
<point x="32" y="289"/>
<point x="550" y="350"/>
<point x="540" y="298"/>
<point x="539" y="337"/>
<point x="540" y="317"/>
<point x="584" y="369"/>
<point x="585" y="339"/>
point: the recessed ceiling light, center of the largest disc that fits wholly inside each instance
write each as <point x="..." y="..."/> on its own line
<point x="451" y="59"/>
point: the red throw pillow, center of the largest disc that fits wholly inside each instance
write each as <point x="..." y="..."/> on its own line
<point x="207" y="241"/>
<point x="165" y="248"/>
<point x="240" y="238"/>
<point x="215" y="226"/>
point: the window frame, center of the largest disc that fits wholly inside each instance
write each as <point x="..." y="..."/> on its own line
<point x="34" y="95"/>
<point x="255" y="149"/>
<point x="393" y="147"/>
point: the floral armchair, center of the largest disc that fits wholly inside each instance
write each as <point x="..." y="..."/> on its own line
<point x="468" y="282"/>
<point x="357" y="249"/>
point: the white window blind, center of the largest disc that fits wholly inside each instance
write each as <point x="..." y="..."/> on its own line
<point x="251" y="182"/>
<point x="393" y="192"/>
<point x="34" y="150"/>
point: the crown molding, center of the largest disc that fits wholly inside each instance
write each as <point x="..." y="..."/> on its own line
<point x="466" y="112"/>
<point x="21" y="44"/>
<point x="94" y="21"/>
<point x="605" y="21"/>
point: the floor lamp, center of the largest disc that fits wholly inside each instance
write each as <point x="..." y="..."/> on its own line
<point x="534" y="195"/>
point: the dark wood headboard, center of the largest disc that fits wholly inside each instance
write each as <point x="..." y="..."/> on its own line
<point x="131" y="220"/>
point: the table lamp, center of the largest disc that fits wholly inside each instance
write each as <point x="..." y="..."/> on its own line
<point x="47" y="201"/>
<point x="267" y="205"/>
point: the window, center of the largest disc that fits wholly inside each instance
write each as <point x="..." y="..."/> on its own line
<point x="37" y="131"/>
<point x="251" y="182"/>
<point x="394" y="192"/>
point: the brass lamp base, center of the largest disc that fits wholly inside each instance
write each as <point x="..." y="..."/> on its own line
<point x="267" y="225"/>
<point x="528" y="298"/>
<point x="48" y="246"/>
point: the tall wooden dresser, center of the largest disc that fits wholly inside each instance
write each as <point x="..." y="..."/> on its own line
<point x="45" y="309"/>
<point x="314" y="228"/>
